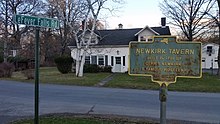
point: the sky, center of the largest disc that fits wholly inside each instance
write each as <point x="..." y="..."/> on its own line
<point x="137" y="14"/>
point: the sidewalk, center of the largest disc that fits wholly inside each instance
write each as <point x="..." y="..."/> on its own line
<point x="105" y="80"/>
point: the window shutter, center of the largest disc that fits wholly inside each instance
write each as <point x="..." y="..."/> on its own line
<point x="123" y="60"/>
<point x="106" y="60"/>
<point x="112" y="60"/>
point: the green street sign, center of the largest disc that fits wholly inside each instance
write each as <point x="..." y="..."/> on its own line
<point x="36" y="21"/>
<point x="165" y="59"/>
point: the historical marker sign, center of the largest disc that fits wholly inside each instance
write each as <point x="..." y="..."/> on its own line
<point x="165" y="59"/>
<point x="36" y="21"/>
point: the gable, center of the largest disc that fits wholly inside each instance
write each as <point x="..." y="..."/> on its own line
<point x="146" y="34"/>
<point x="213" y="46"/>
<point x="146" y="30"/>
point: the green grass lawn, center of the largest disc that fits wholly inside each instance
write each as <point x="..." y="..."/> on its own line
<point x="124" y="80"/>
<point x="65" y="121"/>
<point x="84" y="120"/>
<point x="52" y="75"/>
<point x="208" y="83"/>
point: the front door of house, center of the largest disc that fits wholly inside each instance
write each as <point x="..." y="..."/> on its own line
<point x="117" y="64"/>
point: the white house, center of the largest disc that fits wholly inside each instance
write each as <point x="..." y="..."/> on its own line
<point x="210" y="56"/>
<point x="111" y="47"/>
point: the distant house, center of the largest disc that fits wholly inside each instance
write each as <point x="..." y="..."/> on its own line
<point x="210" y="56"/>
<point x="111" y="47"/>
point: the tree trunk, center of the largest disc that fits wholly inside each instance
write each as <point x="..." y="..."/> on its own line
<point x="82" y="65"/>
<point x="218" y="1"/>
<point x="6" y="33"/>
<point x="5" y="50"/>
<point x="218" y="49"/>
<point x="218" y="73"/>
<point x="77" y="61"/>
<point x="80" y="61"/>
<point x="77" y="68"/>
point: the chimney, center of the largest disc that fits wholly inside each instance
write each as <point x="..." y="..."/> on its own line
<point x="163" y="22"/>
<point x="120" y="26"/>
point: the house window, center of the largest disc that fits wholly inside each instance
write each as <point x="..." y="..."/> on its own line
<point x="101" y="60"/>
<point x="118" y="60"/>
<point x="86" y="39"/>
<point x="209" y="50"/>
<point x="112" y="60"/>
<point x="143" y="38"/>
<point x="85" y="42"/>
<point x="87" y="60"/>
<point x="106" y="60"/>
<point x="123" y="60"/>
<point x="94" y="59"/>
<point x="93" y="41"/>
<point x="149" y="40"/>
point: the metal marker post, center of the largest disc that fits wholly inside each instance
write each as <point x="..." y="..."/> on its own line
<point x="36" y="111"/>
<point x="163" y="99"/>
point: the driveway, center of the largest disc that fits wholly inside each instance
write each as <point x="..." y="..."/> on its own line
<point x="17" y="100"/>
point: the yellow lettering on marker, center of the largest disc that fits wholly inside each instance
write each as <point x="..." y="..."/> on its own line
<point x="191" y="51"/>
<point x="182" y="51"/>
<point x="139" y="51"/>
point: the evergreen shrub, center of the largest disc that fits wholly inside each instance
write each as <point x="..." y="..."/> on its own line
<point x="6" y="69"/>
<point x="91" y="68"/>
<point x="64" y="64"/>
<point x="107" y="69"/>
<point x="1" y="59"/>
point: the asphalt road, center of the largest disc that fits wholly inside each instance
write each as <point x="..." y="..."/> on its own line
<point x="17" y="100"/>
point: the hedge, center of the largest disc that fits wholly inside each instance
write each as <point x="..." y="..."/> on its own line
<point x="93" y="68"/>
<point x="64" y="64"/>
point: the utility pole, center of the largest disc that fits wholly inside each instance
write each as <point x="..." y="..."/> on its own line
<point x="6" y="32"/>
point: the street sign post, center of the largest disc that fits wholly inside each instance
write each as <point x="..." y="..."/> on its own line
<point x="165" y="59"/>
<point x="36" y="22"/>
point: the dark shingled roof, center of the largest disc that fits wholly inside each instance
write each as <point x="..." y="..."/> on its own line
<point x="123" y="36"/>
<point x="117" y="36"/>
<point x="162" y="31"/>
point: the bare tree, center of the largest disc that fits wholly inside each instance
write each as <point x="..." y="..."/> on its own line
<point x="188" y="15"/>
<point x="79" y="20"/>
<point x="68" y="12"/>
<point x="50" y="46"/>
<point x="12" y="32"/>
<point x="94" y="8"/>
